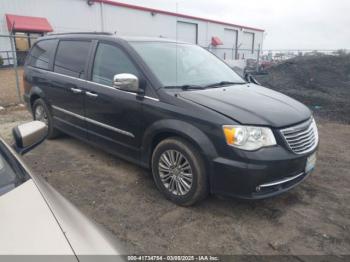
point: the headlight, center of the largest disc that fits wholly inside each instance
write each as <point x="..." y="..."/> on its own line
<point x="249" y="137"/>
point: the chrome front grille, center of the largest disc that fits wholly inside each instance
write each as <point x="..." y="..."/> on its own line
<point x="301" y="138"/>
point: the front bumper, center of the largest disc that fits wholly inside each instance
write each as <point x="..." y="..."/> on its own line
<point x="264" y="173"/>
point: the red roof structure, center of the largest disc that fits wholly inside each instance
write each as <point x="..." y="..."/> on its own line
<point x="27" y="24"/>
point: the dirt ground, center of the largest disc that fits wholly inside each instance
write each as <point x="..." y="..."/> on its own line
<point x="8" y="91"/>
<point x="313" y="218"/>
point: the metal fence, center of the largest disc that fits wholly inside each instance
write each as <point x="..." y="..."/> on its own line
<point x="13" y="52"/>
<point x="239" y="59"/>
<point x="8" y="58"/>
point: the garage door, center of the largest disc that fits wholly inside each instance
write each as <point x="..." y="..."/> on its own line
<point x="248" y="41"/>
<point x="187" y="32"/>
<point x="229" y="41"/>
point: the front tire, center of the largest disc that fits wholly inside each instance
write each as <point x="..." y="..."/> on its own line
<point x="179" y="172"/>
<point x="42" y="113"/>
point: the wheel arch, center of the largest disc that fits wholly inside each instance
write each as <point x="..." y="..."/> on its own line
<point x="163" y="129"/>
<point x="36" y="93"/>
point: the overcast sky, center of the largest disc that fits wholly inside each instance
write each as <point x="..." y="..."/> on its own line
<point x="289" y="24"/>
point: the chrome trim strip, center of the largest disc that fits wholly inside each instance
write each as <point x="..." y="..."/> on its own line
<point x="95" y="122"/>
<point x="304" y="144"/>
<point x="278" y="182"/>
<point x="297" y="138"/>
<point x="71" y="77"/>
<point x="87" y="81"/>
<point x="110" y="127"/>
<point x="299" y="133"/>
<point x="109" y="87"/>
<point x="68" y="112"/>
<point x="297" y="127"/>
<point x="151" y="98"/>
<point x="304" y="131"/>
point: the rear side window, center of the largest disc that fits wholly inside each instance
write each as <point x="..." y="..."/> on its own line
<point x="71" y="57"/>
<point x="109" y="61"/>
<point x="41" y="54"/>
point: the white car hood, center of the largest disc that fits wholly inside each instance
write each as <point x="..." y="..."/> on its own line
<point x="27" y="225"/>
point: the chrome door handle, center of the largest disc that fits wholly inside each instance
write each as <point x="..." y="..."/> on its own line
<point x="91" y="94"/>
<point x="76" y="90"/>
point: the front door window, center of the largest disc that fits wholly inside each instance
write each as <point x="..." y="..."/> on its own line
<point x="109" y="61"/>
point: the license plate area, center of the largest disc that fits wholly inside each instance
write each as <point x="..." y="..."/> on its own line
<point x="310" y="163"/>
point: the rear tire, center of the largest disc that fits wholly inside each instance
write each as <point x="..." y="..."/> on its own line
<point x="179" y="171"/>
<point x="42" y="113"/>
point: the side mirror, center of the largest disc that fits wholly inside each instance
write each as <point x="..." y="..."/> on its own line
<point x="127" y="82"/>
<point x="251" y="79"/>
<point x="29" y="135"/>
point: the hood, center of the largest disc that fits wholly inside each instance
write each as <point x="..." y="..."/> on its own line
<point x="251" y="104"/>
<point x="28" y="226"/>
<point x="84" y="235"/>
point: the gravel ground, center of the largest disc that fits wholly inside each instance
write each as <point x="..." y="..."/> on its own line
<point x="322" y="82"/>
<point x="8" y="91"/>
<point x="313" y="218"/>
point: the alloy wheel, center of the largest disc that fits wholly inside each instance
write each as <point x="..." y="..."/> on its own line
<point x="175" y="172"/>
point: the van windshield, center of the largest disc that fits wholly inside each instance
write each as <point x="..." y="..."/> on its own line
<point x="178" y="64"/>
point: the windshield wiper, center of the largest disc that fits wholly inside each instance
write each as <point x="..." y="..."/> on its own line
<point x="185" y="87"/>
<point x="224" y="83"/>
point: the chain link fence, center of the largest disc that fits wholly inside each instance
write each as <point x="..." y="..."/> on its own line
<point x="13" y="52"/>
<point x="240" y="59"/>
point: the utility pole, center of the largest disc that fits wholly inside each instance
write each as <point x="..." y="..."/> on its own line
<point x="14" y="57"/>
<point x="258" y="59"/>
<point x="102" y="17"/>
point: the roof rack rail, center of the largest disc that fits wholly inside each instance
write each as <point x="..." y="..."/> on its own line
<point x="82" y="33"/>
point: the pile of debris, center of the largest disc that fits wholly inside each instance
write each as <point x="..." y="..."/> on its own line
<point x="322" y="82"/>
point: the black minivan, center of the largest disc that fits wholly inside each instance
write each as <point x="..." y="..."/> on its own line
<point x="172" y="107"/>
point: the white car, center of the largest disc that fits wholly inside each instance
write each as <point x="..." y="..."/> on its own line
<point x="34" y="218"/>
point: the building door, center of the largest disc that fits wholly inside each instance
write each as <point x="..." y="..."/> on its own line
<point x="248" y="42"/>
<point x="230" y="43"/>
<point x="187" y="32"/>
